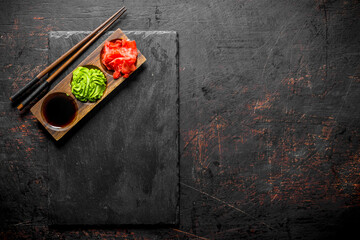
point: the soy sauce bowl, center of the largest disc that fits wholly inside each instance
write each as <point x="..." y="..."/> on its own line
<point x="59" y="110"/>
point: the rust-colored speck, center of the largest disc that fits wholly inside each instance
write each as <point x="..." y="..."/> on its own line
<point x="295" y="85"/>
<point x="16" y="24"/>
<point x="263" y="104"/>
<point x="29" y="149"/>
<point x="202" y="142"/>
<point x="355" y="78"/>
<point x="327" y="129"/>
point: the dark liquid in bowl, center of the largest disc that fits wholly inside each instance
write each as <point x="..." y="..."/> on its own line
<point x="59" y="110"/>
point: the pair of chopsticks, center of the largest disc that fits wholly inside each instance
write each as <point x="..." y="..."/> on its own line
<point x="86" y="42"/>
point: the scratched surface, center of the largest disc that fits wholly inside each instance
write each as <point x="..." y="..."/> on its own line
<point x="269" y="116"/>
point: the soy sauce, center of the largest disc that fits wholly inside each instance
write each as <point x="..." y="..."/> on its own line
<point x="59" y="109"/>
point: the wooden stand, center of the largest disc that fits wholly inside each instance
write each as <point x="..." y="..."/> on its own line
<point x="64" y="87"/>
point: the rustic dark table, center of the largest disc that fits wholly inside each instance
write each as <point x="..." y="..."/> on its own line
<point x="269" y="116"/>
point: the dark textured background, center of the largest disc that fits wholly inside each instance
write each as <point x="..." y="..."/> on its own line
<point x="269" y="116"/>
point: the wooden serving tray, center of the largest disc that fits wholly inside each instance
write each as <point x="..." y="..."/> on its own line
<point x="83" y="107"/>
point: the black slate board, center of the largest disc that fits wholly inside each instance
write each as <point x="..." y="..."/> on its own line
<point x="121" y="164"/>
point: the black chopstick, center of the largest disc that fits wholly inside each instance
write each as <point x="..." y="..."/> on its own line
<point x="88" y="39"/>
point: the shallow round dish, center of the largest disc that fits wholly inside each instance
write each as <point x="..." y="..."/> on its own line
<point x="59" y="110"/>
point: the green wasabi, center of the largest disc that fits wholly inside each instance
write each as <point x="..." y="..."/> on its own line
<point x="88" y="84"/>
